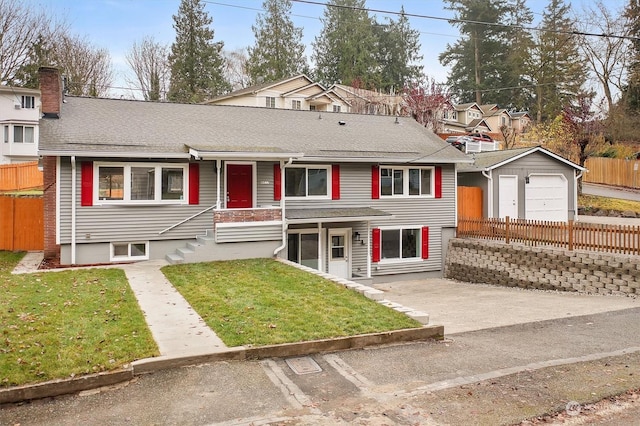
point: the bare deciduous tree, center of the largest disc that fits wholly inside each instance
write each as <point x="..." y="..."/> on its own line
<point x="21" y="29"/>
<point x="606" y="55"/>
<point x="148" y="60"/>
<point x="87" y="69"/>
<point x="236" y="68"/>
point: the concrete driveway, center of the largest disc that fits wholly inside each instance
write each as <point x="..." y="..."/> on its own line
<point x="462" y="307"/>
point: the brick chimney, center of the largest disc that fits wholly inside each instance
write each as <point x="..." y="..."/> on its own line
<point x="51" y="90"/>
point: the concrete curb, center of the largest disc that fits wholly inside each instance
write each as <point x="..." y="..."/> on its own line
<point x="150" y="365"/>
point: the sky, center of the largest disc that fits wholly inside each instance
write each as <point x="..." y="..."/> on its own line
<point x="117" y="24"/>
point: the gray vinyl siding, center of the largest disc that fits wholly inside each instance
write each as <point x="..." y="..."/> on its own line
<point x="240" y="233"/>
<point x="523" y="167"/>
<point x="265" y="184"/>
<point x="109" y="223"/>
<point x="355" y="191"/>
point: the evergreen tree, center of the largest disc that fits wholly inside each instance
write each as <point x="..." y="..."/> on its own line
<point x="520" y="46"/>
<point x="398" y="54"/>
<point x="479" y="59"/>
<point x="278" y="51"/>
<point x="631" y="92"/>
<point x="345" y="49"/>
<point x="559" y="71"/>
<point x="196" y="62"/>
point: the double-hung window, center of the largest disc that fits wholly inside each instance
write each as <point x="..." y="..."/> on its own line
<point x="406" y="181"/>
<point x="307" y="181"/>
<point x="403" y="243"/>
<point x="140" y="183"/>
<point x="28" y="102"/>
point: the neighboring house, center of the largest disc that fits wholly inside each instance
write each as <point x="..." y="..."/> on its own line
<point x="358" y="196"/>
<point x="298" y="93"/>
<point x="19" y="115"/>
<point x="526" y="183"/>
<point x="465" y="118"/>
<point x="495" y="117"/>
<point x="520" y="120"/>
<point x="364" y="101"/>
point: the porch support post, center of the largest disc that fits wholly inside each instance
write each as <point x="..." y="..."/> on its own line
<point x="320" y="264"/>
<point x="218" y="166"/>
<point x="368" y="249"/>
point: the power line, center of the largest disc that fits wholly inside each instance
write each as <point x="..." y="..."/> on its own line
<point x="467" y="21"/>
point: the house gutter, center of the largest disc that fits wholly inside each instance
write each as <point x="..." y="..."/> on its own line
<point x="73" y="209"/>
<point x="283" y="202"/>
<point x="490" y="192"/>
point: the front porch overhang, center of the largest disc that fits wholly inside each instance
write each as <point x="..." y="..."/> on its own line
<point x="254" y="155"/>
<point x="344" y="214"/>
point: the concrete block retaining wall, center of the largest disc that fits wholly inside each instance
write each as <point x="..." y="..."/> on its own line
<point x="545" y="268"/>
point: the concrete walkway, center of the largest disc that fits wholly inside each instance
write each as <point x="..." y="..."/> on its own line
<point x="177" y="329"/>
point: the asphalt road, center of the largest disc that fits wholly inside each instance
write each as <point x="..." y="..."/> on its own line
<point x="493" y="376"/>
<point x="611" y="192"/>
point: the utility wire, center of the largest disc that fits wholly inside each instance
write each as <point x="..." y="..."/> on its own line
<point x="468" y="21"/>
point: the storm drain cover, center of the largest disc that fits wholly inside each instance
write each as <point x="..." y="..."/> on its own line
<point x="303" y="365"/>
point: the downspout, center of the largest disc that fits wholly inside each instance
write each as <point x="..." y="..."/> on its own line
<point x="73" y="209"/>
<point x="489" y="192"/>
<point x="218" y="165"/>
<point x="576" y="178"/>
<point x="282" y="208"/>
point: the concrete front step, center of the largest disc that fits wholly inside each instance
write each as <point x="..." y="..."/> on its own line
<point x="190" y="251"/>
<point x="174" y="258"/>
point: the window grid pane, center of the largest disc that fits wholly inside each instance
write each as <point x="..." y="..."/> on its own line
<point x="28" y="134"/>
<point x="17" y="134"/>
<point x="414" y="181"/>
<point x="295" y="182"/>
<point x="425" y="184"/>
<point x="398" y="182"/>
<point x="111" y="183"/>
<point x="172" y="184"/>
<point x="409" y="243"/>
<point x="390" y="243"/>
<point x="386" y="179"/>
<point x="317" y="182"/>
<point x="143" y="183"/>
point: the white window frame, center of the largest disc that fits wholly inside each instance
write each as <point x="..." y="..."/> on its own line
<point x="405" y="182"/>
<point x="313" y="231"/>
<point x="399" y="229"/>
<point x="126" y="199"/>
<point x="296" y="104"/>
<point x="307" y="196"/>
<point x="28" y="102"/>
<point x="337" y="108"/>
<point x="114" y="258"/>
<point x="12" y="133"/>
<point x="270" y="102"/>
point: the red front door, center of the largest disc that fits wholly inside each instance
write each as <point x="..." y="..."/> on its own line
<point x="239" y="186"/>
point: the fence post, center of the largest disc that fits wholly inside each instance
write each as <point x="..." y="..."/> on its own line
<point x="570" y="228"/>
<point x="506" y="230"/>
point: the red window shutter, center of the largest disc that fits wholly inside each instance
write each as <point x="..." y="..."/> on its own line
<point x="438" y="182"/>
<point x="277" y="182"/>
<point x="375" y="182"/>
<point x="335" y="182"/>
<point x="425" y="242"/>
<point x="86" y="187"/>
<point x="194" y="183"/>
<point x="375" y="249"/>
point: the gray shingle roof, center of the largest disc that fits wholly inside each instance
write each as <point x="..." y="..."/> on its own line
<point x="489" y="159"/>
<point x="89" y="125"/>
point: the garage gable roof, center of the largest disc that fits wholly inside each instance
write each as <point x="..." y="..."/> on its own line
<point x="489" y="160"/>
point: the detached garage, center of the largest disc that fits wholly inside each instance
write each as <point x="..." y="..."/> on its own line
<point x="525" y="183"/>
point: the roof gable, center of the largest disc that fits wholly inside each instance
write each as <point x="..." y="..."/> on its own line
<point x="493" y="159"/>
<point x="302" y="79"/>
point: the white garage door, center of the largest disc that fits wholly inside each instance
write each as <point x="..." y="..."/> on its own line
<point x="547" y="198"/>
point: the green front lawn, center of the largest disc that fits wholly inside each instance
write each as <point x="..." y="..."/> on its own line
<point x="62" y="324"/>
<point x="264" y="302"/>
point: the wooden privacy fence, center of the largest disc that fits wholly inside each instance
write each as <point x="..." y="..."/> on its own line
<point x="612" y="171"/>
<point x="21" y="223"/>
<point x="571" y="235"/>
<point x="469" y="202"/>
<point x="15" y="177"/>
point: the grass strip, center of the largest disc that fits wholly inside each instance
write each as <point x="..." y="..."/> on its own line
<point x="264" y="302"/>
<point x="67" y="323"/>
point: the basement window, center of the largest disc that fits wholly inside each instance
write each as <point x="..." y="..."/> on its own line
<point x="123" y="251"/>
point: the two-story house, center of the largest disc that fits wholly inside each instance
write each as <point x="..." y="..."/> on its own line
<point x="297" y="93"/>
<point x="359" y="196"/>
<point x="19" y="116"/>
